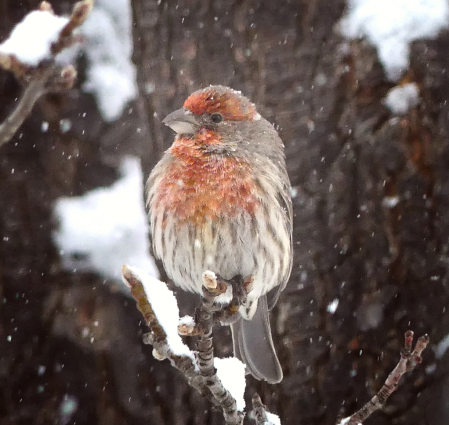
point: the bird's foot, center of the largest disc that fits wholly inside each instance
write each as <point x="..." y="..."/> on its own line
<point x="213" y="286"/>
<point x="240" y="289"/>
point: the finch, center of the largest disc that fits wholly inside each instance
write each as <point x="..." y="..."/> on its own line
<point x="219" y="200"/>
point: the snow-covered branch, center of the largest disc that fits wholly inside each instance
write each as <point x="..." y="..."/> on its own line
<point x="409" y="360"/>
<point x="221" y="381"/>
<point x="30" y="54"/>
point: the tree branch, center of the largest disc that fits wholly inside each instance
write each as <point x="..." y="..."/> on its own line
<point x="47" y="76"/>
<point x="211" y="289"/>
<point x="409" y="360"/>
<point x="200" y="372"/>
<point x="158" y="338"/>
<point x="260" y="413"/>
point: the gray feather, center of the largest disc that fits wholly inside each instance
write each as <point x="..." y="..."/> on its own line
<point x="254" y="346"/>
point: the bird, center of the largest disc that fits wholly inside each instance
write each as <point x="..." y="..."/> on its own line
<point x="219" y="199"/>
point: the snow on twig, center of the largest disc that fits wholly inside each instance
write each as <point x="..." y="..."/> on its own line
<point x="156" y="303"/>
<point x="221" y="381"/>
<point x="157" y="336"/>
<point x="231" y="373"/>
<point x="162" y="303"/>
<point x="32" y="39"/>
<point x="30" y="54"/>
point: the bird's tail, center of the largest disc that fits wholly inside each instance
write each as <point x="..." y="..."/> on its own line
<point x="253" y="345"/>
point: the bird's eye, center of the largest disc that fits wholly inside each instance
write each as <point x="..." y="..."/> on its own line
<point x="216" y="118"/>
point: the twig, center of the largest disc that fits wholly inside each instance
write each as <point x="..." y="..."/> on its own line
<point x="409" y="359"/>
<point x="201" y="374"/>
<point x="47" y="77"/>
<point x="158" y="339"/>
<point x="32" y="93"/>
<point x="259" y="412"/>
<point x="37" y="87"/>
<point x="80" y="12"/>
<point x="211" y="289"/>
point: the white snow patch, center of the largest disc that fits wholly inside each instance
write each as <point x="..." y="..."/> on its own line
<point x="165" y="307"/>
<point x="187" y="321"/>
<point x="107" y="227"/>
<point x="111" y="75"/>
<point x="273" y="419"/>
<point x="431" y="368"/>
<point x="401" y="99"/>
<point x="231" y="372"/>
<point x="31" y="40"/>
<point x="69" y="405"/>
<point x="346" y="420"/>
<point x="332" y="307"/>
<point x="391" y="201"/>
<point x="442" y="347"/>
<point x="390" y="25"/>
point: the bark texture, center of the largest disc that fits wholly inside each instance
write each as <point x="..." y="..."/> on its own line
<point x="371" y="225"/>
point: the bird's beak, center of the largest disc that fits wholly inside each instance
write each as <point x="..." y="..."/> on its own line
<point x="182" y="121"/>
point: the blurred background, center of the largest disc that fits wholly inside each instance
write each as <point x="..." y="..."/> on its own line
<point x="358" y="90"/>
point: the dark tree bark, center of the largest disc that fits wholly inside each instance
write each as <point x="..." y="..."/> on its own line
<point x="346" y="153"/>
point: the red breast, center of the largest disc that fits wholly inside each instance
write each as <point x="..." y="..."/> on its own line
<point x="199" y="186"/>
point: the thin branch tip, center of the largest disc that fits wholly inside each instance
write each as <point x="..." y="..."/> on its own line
<point x="148" y="338"/>
<point x="210" y="280"/>
<point x="67" y="38"/>
<point x="45" y="6"/>
<point x="81" y="11"/>
<point x="256" y="400"/>
<point x="68" y="72"/>
<point x="5" y="61"/>
<point x="127" y="275"/>
<point x="422" y="342"/>
<point x="408" y="361"/>
<point x="259" y="411"/>
<point x="158" y="356"/>
<point x="186" y="326"/>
